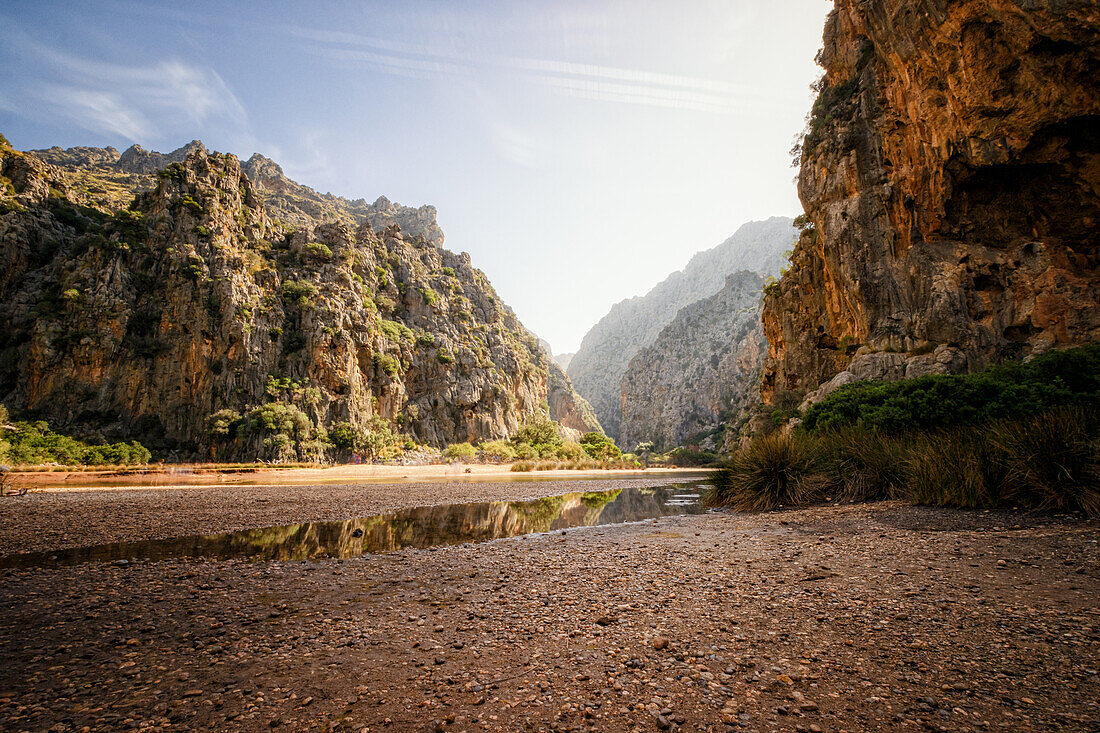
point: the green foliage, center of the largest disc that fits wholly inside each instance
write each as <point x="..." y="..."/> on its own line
<point x="498" y="451"/>
<point x="429" y="296"/>
<point x="203" y="231"/>
<point x="803" y="223"/>
<point x="317" y="251"/>
<point x="444" y="357"/>
<point x="387" y="364"/>
<point x="299" y="292"/>
<point x="691" y="456"/>
<point x="538" y="436"/>
<point x="425" y="338"/>
<point x="189" y="202"/>
<point x="569" y="451"/>
<point x="34" y="443"/>
<point x="460" y="451"/>
<point x="223" y="424"/>
<point x="345" y="436"/>
<point x="397" y="332"/>
<point x="385" y="303"/>
<point x="1016" y="389"/>
<point x="599" y="446"/>
<point x="173" y="172"/>
<point x="449" y="271"/>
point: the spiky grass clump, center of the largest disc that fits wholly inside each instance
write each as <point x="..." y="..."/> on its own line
<point x="1051" y="461"/>
<point x="959" y="468"/>
<point x="772" y="471"/>
<point x="864" y="464"/>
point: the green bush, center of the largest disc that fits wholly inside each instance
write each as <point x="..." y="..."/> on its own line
<point x="599" y="446"/>
<point x="345" y="436"/>
<point x="460" y="451"/>
<point x="34" y="443"/>
<point x="223" y="424"/>
<point x="571" y="452"/>
<point x="497" y="451"/>
<point x="299" y="292"/>
<point x="396" y="332"/>
<point x="1015" y="389"/>
<point x="538" y="432"/>
<point x="444" y="357"/>
<point x="387" y="364"/>
<point x="862" y="464"/>
<point x="317" y="251"/>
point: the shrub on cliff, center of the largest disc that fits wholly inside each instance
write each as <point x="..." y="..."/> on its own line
<point x="1014" y="389"/>
<point x="298" y="292"/>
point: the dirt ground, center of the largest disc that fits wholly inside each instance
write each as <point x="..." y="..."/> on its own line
<point x="872" y="617"/>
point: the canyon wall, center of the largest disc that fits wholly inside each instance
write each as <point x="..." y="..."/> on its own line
<point x="951" y="173"/>
<point x="167" y="303"/>
<point x="598" y="367"/>
<point x="700" y="372"/>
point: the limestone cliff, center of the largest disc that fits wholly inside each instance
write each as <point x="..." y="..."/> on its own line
<point x="598" y="367"/>
<point x="700" y="372"/>
<point x="951" y="171"/>
<point x="140" y="304"/>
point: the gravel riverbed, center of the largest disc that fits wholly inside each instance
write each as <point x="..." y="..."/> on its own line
<point x="871" y="617"/>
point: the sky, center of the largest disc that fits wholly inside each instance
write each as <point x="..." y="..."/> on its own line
<point x="579" y="151"/>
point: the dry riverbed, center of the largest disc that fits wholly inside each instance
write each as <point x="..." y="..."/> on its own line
<point x="875" y="617"/>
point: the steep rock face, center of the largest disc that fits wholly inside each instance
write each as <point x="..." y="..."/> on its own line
<point x="567" y="407"/>
<point x="297" y="204"/>
<point x="700" y="372"/>
<point x="952" y="174"/>
<point x="143" y="322"/>
<point x="598" y="367"/>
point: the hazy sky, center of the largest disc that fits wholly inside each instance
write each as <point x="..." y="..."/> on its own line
<point x="579" y="151"/>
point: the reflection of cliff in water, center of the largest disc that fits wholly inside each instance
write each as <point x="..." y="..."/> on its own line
<point x="419" y="527"/>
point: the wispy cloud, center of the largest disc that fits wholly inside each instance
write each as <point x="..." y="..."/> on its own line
<point x="134" y="102"/>
<point x="586" y="81"/>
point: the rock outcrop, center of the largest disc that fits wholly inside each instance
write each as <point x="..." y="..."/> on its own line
<point x="701" y="371"/>
<point x="193" y="306"/>
<point x="598" y="367"/>
<point x="951" y="171"/>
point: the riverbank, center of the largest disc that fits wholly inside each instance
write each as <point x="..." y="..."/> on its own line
<point x="175" y="476"/>
<point x="867" y="617"/>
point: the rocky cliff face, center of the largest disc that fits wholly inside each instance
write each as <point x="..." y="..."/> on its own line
<point x="598" y="367"/>
<point x="700" y="372"/>
<point x="144" y="319"/>
<point x="952" y="175"/>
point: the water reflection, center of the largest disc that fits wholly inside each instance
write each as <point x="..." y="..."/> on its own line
<point x="420" y="527"/>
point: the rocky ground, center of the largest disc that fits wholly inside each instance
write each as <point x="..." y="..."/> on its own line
<point x="875" y="617"/>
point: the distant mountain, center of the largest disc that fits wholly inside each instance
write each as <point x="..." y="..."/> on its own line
<point x="598" y="367"/>
<point x="563" y="360"/>
<point x="700" y="372"/>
